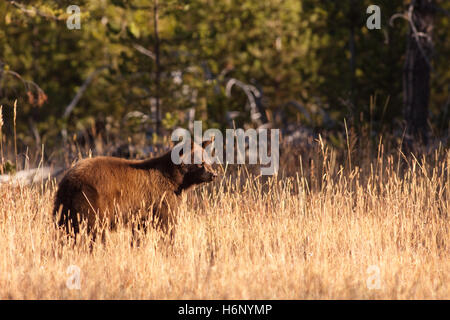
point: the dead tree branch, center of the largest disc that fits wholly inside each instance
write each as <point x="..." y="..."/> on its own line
<point x="82" y="89"/>
<point x="32" y="11"/>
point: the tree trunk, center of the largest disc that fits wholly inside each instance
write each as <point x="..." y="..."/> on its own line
<point x="417" y="68"/>
<point x="353" y="19"/>
<point x="158" y="65"/>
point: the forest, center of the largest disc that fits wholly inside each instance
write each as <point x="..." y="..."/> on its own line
<point x="139" y="69"/>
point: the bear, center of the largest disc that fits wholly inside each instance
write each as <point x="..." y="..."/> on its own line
<point x="104" y="190"/>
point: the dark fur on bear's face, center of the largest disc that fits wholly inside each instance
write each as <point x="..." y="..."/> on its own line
<point x="193" y="174"/>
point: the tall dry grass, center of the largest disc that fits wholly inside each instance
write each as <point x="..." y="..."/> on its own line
<point x="321" y="233"/>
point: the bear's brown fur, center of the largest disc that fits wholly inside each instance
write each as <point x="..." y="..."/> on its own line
<point x="108" y="189"/>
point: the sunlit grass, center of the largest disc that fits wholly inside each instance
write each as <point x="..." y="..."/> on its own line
<point x="252" y="238"/>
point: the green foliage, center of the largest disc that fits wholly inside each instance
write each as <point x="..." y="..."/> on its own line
<point x="291" y="50"/>
<point x="169" y="121"/>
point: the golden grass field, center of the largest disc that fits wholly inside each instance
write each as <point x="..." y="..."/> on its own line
<point x="322" y="234"/>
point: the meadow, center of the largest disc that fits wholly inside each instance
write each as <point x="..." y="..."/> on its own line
<point x="329" y="227"/>
<point x="358" y="91"/>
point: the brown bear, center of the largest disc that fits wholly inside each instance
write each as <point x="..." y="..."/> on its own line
<point x="107" y="190"/>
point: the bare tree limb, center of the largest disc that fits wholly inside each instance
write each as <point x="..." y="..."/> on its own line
<point x="251" y="91"/>
<point x="42" y="97"/>
<point x="144" y="51"/>
<point x="416" y="35"/>
<point x="82" y="89"/>
<point x="408" y="16"/>
<point x="396" y="16"/>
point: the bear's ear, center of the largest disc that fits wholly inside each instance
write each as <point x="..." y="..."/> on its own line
<point x="207" y="142"/>
<point x="191" y="148"/>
